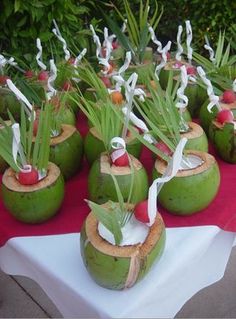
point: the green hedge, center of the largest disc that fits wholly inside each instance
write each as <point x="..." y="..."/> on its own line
<point x="22" y="21"/>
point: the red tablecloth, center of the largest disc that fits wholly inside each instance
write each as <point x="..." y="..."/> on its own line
<point x="221" y="212"/>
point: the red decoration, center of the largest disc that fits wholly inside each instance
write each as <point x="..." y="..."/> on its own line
<point x="28" y="178"/>
<point x="225" y="116"/>
<point x="141" y="212"/>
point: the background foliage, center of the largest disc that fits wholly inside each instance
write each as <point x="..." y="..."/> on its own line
<point x="22" y="21"/>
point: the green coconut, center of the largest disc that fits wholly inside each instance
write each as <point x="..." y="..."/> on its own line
<point x="33" y="203"/>
<point x="66" y="151"/>
<point x="165" y="73"/>
<point x="93" y="145"/>
<point x="223" y="137"/>
<point x="143" y="70"/>
<point x="101" y="186"/>
<point x="119" y="267"/>
<point x="207" y="117"/>
<point x="196" y="97"/>
<point x="190" y="190"/>
<point x="8" y="101"/>
<point x="197" y="139"/>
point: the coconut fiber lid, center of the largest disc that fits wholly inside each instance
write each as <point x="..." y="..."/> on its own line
<point x="221" y="212"/>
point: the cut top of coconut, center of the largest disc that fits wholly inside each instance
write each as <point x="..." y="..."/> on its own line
<point x="206" y="160"/>
<point x="195" y="131"/>
<point x="66" y="132"/>
<point x="227" y="105"/>
<point x="107" y="168"/>
<point x="10" y="180"/>
<point x="154" y="234"/>
<point x="133" y="232"/>
<point x="220" y="125"/>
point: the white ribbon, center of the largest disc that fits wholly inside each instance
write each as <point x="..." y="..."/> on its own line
<point x="4" y="61"/>
<point x="179" y="46"/>
<point x="96" y="40"/>
<point x="119" y="147"/>
<point x="234" y="85"/>
<point x="17" y="147"/>
<point x="39" y="55"/>
<point x="80" y="57"/>
<point x="211" y="51"/>
<point x="189" y="40"/>
<point x="141" y="125"/>
<point x="51" y="79"/>
<point x="183" y="99"/>
<point x="107" y="44"/>
<point x="21" y="97"/>
<point x="126" y="64"/>
<point x="154" y="39"/>
<point x="214" y="100"/>
<point x="164" y="59"/>
<point x="57" y="33"/>
<point x="171" y="170"/>
<point x="131" y="91"/>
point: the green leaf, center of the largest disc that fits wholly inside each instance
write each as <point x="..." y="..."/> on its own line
<point x="108" y="219"/>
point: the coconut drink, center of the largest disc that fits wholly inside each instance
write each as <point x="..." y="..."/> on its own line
<point x="193" y="188"/>
<point x="115" y="232"/>
<point x="164" y="114"/>
<point x="32" y="188"/>
<point x="127" y="170"/>
<point x="222" y="135"/>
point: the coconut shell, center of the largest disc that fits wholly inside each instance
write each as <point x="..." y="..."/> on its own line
<point x="191" y="190"/>
<point x="33" y="203"/>
<point x="93" y="146"/>
<point x="223" y="137"/>
<point x="101" y="185"/>
<point x="197" y="139"/>
<point x="119" y="267"/>
<point x="66" y="151"/>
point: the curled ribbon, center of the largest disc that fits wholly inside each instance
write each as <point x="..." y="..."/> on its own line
<point x="179" y="46"/>
<point x="189" y="40"/>
<point x="141" y="125"/>
<point x="39" y="55"/>
<point x="17" y="147"/>
<point x="21" y="97"/>
<point x="51" y="79"/>
<point x="119" y="147"/>
<point x="155" y="40"/>
<point x="57" y="33"/>
<point x="164" y="58"/>
<point x="183" y="99"/>
<point x="211" y="51"/>
<point x="126" y="64"/>
<point x="214" y="99"/>
<point x="96" y="40"/>
<point x="172" y="168"/>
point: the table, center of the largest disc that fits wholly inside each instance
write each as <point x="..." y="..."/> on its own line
<point x="194" y="258"/>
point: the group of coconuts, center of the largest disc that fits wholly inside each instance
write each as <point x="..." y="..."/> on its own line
<point x="34" y="199"/>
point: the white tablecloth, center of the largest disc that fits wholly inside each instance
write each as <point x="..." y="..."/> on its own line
<point x="194" y="258"/>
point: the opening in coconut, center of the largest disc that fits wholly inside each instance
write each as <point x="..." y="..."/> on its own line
<point x="107" y="168"/>
<point x="196" y="162"/>
<point x="11" y="182"/>
<point x="139" y="249"/>
<point x="66" y="132"/>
